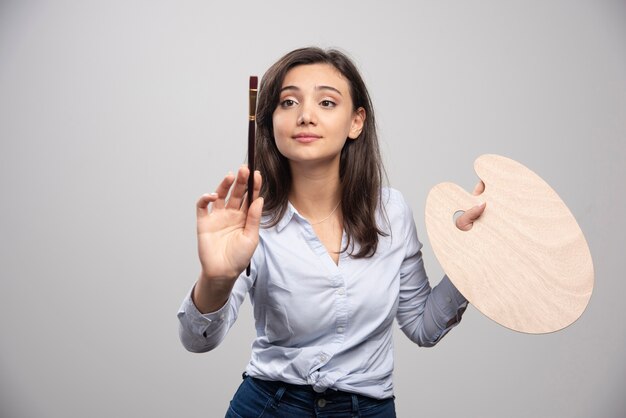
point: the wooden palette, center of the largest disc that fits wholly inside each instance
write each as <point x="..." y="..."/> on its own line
<point x="525" y="263"/>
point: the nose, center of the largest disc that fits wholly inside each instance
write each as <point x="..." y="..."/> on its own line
<point x="307" y="114"/>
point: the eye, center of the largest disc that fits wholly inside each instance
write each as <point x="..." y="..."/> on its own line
<point x="327" y="103"/>
<point x="288" y="103"/>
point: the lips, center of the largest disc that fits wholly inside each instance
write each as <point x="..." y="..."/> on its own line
<point x="306" y="137"/>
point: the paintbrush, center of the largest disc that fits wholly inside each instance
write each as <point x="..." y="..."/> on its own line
<point x="254" y="81"/>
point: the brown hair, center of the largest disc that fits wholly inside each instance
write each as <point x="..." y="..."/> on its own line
<point x="360" y="170"/>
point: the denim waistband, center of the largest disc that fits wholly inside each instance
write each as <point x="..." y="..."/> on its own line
<point x="305" y="397"/>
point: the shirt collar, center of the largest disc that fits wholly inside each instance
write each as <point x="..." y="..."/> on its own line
<point x="289" y="214"/>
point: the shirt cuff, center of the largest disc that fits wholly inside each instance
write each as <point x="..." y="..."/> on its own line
<point x="198" y="323"/>
<point x="452" y="302"/>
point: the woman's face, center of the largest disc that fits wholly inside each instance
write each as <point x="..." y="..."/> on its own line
<point x="315" y="116"/>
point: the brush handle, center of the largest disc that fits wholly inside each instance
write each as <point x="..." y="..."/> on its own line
<point x="251" y="139"/>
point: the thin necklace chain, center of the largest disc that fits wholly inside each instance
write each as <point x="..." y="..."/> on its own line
<point x="326" y="218"/>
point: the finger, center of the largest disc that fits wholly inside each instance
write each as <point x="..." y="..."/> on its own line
<point x="239" y="189"/>
<point x="244" y="202"/>
<point x="203" y="203"/>
<point x="258" y="179"/>
<point x="466" y="221"/>
<point x="222" y="191"/>
<point x="480" y="187"/>
<point x="253" y="219"/>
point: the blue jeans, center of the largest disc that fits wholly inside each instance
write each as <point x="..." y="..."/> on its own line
<point x="257" y="398"/>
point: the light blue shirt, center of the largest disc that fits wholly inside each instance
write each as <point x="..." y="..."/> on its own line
<point x="330" y="325"/>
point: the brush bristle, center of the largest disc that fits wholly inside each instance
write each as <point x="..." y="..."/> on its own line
<point x="254" y="82"/>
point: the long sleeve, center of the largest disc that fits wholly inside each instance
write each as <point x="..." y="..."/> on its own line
<point x="203" y="332"/>
<point x="425" y="314"/>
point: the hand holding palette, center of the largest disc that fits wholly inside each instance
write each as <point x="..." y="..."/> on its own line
<point x="525" y="263"/>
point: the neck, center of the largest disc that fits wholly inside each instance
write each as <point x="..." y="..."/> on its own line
<point x="315" y="192"/>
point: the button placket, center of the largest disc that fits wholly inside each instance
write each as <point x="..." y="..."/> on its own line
<point x="342" y="309"/>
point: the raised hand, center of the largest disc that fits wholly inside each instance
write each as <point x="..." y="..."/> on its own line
<point x="228" y="234"/>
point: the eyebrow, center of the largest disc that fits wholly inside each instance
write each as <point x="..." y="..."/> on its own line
<point x="316" y="88"/>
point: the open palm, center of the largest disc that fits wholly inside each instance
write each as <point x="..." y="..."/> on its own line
<point x="228" y="232"/>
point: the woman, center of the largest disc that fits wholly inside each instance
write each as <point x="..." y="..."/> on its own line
<point x="335" y="260"/>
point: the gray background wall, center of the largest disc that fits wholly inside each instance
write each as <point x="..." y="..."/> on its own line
<point x="116" y="115"/>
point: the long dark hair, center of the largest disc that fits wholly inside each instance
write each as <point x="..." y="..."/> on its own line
<point x="360" y="169"/>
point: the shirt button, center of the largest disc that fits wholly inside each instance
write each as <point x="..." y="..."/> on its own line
<point x="341" y="291"/>
<point x="323" y="358"/>
<point x="340" y="330"/>
<point x="448" y="299"/>
<point x="321" y="402"/>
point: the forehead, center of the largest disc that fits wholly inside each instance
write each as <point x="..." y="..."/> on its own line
<point x="312" y="75"/>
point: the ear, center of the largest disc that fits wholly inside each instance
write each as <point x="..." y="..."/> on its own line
<point x="358" y="120"/>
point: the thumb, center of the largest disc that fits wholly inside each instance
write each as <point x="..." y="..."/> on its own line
<point x="465" y="221"/>
<point x="253" y="219"/>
